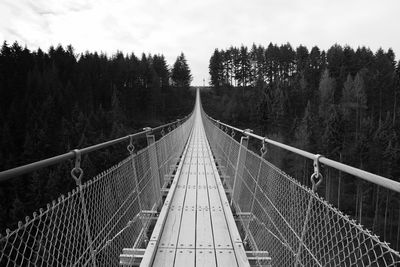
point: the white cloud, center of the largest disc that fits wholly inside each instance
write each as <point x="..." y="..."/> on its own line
<point x="197" y="27"/>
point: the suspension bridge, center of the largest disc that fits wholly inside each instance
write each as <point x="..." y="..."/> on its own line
<point x="193" y="197"/>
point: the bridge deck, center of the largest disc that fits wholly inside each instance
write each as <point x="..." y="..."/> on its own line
<point x="196" y="226"/>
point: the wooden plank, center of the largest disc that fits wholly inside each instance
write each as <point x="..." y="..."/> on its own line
<point x="149" y="254"/>
<point x="213" y="195"/>
<point x="187" y="233"/>
<point x="226" y="257"/>
<point x="220" y="228"/>
<point x="231" y="224"/>
<point x="164" y="258"/>
<point x="169" y="236"/>
<point x="201" y="177"/>
<point x="202" y="192"/>
<point x="240" y="254"/>
<point x="222" y="237"/>
<point x="191" y="194"/>
<point x="205" y="258"/>
<point x="185" y="257"/>
<point x="204" y="231"/>
<point x="209" y="172"/>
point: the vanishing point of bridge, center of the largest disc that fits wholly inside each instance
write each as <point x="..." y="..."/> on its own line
<point x="193" y="197"/>
<point x="196" y="226"/>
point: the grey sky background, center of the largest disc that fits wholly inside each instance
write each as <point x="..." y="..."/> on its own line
<point x="198" y="27"/>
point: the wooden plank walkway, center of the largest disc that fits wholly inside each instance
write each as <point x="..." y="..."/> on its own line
<point x="196" y="226"/>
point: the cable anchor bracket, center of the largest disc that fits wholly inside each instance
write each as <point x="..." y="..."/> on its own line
<point x="131" y="146"/>
<point x="263" y="149"/>
<point x="77" y="171"/>
<point x="316" y="177"/>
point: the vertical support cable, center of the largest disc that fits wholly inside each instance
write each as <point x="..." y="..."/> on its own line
<point x="247" y="229"/>
<point x="180" y="134"/>
<point x="131" y="150"/>
<point x="263" y="152"/>
<point x="316" y="179"/>
<point x="155" y="175"/>
<point x="213" y="134"/>
<point x="226" y="162"/>
<point x="244" y="141"/>
<point x="77" y="174"/>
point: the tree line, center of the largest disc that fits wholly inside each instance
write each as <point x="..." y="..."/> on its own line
<point x="342" y="103"/>
<point x="52" y="102"/>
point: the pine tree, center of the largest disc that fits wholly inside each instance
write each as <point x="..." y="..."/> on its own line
<point x="181" y="75"/>
<point x="326" y="94"/>
<point x="301" y="59"/>
<point x="216" y="69"/>
<point x="304" y="139"/>
<point x="161" y="68"/>
<point x="354" y="102"/>
<point x="243" y="73"/>
<point x="331" y="141"/>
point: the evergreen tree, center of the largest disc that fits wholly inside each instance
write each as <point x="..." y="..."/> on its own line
<point x="354" y="102"/>
<point x="304" y="139"/>
<point x="326" y="94"/>
<point x="304" y="134"/>
<point x="216" y="68"/>
<point x="243" y="72"/>
<point x="161" y="68"/>
<point x="332" y="137"/>
<point x="181" y="75"/>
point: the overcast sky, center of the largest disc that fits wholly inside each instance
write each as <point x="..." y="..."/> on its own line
<point x="198" y="27"/>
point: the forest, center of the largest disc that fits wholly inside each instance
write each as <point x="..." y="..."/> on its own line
<point x="55" y="101"/>
<point x="342" y="103"/>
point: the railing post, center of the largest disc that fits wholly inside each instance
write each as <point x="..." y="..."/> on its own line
<point x="155" y="174"/>
<point x="241" y="160"/>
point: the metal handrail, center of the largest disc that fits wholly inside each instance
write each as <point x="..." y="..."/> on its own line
<point x="370" y="177"/>
<point x="7" y="174"/>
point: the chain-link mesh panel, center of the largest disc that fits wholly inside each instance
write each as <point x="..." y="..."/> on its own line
<point x="226" y="151"/>
<point x="170" y="148"/>
<point x="290" y="221"/>
<point x="94" y="222"/>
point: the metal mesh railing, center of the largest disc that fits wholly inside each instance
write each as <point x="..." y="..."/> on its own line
<point x="94" y="222"/>
<point x="287" y="219"/>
